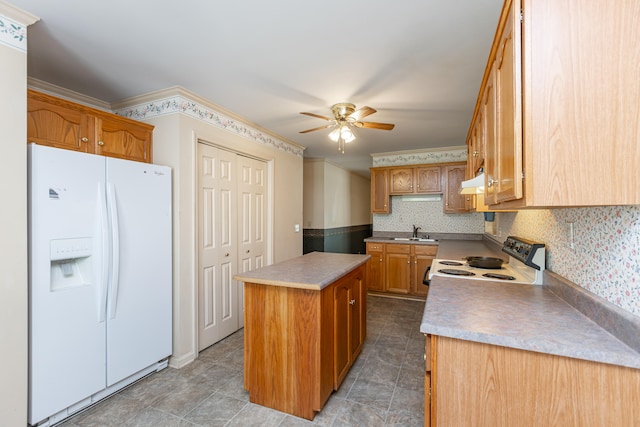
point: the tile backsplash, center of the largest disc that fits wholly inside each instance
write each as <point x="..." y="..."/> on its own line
<point x="605" y="258"/>
<point x="429" y="216"/>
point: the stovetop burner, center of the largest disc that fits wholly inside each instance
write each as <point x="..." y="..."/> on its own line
<point x="499" y="276"/>
<point x="456" y="263"/>
<point x="456" y="272"/>
<point x="526" y="264"/>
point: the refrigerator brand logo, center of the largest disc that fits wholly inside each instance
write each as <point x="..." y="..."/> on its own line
<point x="159" y="173"/>
<point x="53" y="194"/>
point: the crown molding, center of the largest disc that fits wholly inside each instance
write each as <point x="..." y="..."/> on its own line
<point x="13" y="26"/>
<point x="67" y="94"/>
<point x="178" y="100"/>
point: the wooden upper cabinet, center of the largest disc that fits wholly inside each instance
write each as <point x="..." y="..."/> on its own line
<point x="415" y="180"/>
<point x="566" y="117"/>
<point x="60" y="123"/>
<point x="118" y="138"/>
<point x="428" y="180"/>
<point x="380" y="190"/>
<point x="401" y="181"/>
<point x="509" y="111"/>
<point x="58" y="126"/>
<point x="453" y="201"/>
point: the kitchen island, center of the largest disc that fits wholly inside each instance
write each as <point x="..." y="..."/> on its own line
<point x="516" y="354"/>
<point x="305" y="323"/>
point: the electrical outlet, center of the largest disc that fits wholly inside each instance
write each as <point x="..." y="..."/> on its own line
<point x="571" y="235"/>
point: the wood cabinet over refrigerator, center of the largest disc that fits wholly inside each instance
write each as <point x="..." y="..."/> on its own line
<point x="559" y="106"/>
<point x="64" y="124"/>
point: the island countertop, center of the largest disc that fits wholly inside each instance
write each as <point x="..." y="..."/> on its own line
<point x="315" y="270"/>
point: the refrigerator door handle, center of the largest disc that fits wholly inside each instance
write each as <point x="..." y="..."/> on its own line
<point x="115" y="250"/>
<point x="104" y="243"/>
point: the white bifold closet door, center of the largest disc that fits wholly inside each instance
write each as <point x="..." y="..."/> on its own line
<point x="231" y="236"/>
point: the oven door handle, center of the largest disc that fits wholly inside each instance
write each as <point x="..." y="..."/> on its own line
<point x="425" y="280"/>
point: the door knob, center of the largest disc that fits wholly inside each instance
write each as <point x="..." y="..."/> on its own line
<point x="352" y="302"/>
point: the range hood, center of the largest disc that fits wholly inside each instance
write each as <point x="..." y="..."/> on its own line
<point x="473" y="186"/>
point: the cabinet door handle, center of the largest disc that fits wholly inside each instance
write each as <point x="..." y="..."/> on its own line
<point x="84" y="139"/>
<point x="352" y="302"/>
<point x="491" y="182"/>
<point x="100" y="143"/>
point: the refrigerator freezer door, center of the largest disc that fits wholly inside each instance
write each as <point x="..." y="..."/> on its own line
<point x="66" y="337"/>
<point x="139" y="303"/>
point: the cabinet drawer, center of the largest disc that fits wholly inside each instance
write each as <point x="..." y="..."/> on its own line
<point x="425" y="250"/>
<point x="375" y="247"/>
<point x="398" y="249"/>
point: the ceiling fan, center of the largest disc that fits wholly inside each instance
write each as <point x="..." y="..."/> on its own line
<point x="345" y="115"/>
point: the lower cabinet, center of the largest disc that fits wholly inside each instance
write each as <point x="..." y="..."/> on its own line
<point x="399" y="268"/>
<point x="299" y="344"/>
<point x="348" y="326"/>
<point x="423" y="256"/>
<point x="375" y="275"/>
<point x="470" y="383"/>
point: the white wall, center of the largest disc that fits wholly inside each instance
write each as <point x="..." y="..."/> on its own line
<point x="334" y="197"/>
<point x="13" y="219"/>
<point x="313" y="194"/>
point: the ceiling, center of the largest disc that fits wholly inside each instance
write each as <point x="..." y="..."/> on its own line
<point x="418" y="62"/>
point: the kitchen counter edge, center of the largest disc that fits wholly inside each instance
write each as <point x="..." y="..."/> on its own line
<point x="526" y="317"/>
<point x="313" y="271"/>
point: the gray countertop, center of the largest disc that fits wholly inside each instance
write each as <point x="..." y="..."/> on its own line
<point x="527" y="317"/>
<point x="315" y="270"/>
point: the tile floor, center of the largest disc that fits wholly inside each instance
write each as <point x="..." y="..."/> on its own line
<point x="384" y="387"/>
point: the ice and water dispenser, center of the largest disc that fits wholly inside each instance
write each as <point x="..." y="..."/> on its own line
<point x="70" y="263"/>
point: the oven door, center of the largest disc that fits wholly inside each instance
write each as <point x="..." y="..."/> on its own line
<point x="425" y="279"/>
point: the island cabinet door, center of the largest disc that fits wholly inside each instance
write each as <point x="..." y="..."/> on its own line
<point x="349" y="324"/>
<point x="341" y="293"/>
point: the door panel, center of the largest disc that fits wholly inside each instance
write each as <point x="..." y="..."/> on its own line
<point x="66" y="335"/>
<point x="217" y="247"/>
<point x="252" y="192"/>
<point x="139" y="308"/>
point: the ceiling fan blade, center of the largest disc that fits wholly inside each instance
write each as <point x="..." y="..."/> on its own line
<point x="318" y="128"/>
<point x="374" y="125"/>
<point x="361" y="113"/>
<point x="316" y="115"/>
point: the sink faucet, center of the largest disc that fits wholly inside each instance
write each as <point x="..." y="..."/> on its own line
<point x="415" y="231"/>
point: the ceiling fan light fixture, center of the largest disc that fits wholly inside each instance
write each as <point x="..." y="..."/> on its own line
<point x="345" y="116"/>
<point x="346" y="134"/>
<point x="335" y="135"/>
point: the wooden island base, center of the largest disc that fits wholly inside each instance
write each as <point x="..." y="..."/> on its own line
<point x="300" y="343"/>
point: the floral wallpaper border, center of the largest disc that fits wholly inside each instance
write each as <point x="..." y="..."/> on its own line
<point x="13" y="34"/>
<point x="425" y="157"/>
<point x="183" y="105"/>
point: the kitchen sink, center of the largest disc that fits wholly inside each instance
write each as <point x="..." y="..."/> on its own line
<point x="413" y="239"/>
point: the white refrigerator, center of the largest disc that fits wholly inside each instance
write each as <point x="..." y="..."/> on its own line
<point x="100" y="277"/>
